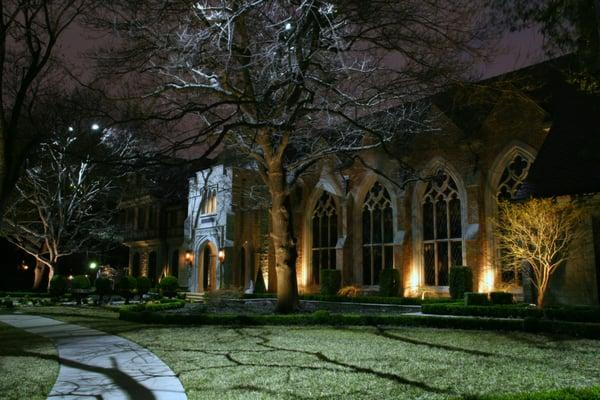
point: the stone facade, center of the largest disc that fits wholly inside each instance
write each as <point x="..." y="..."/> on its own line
<point x="359" y="221"/>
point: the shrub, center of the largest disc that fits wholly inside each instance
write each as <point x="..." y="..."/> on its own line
<point x="475" y="299"/>
<point x="349" y="291"/>
<point x="573" y="313"/>
<point x="498" y="298"/>
<point x="460" y="281"/>
<point x="259" y="284"/>
<point x="126" y="286"/>
<point x="168" y="286"/>
<point x="58" y="285"/>
<point x="7" y="303"/>
<point x="80" y="282"/>
<point x="79" y="286"/>
<point x="389" y="282"/>
<point x="103" y="287"/>
<point x="331" y="281"/>
<point x="505" y="311"/>
<point x="143" y="285"/>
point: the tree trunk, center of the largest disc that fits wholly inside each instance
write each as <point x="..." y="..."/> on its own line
<point x="540" y="297"/>
<point x="50" y="275"/>
<point x="38" y="274"/>
<point x="285" y="268"/>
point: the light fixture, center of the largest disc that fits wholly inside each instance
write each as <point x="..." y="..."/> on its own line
<point x="70" y="277"/>
<point x="188" y="256"/>
<point x="70" y="129"/>
<point x="288" y="26"/>
<point x="93" y="265"/>
<point x="221" y="255"/>
<point x="95" y="127"/>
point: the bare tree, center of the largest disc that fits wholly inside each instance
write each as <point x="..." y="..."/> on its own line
<point x="30" y="73"/>
<point x="62" y="202"/>
<point x="287" y="83"/>
<point x="536" y="236"/>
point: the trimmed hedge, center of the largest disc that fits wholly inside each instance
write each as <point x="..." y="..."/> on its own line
<point x="331" y="281"/>
<point x="154" y="306"/>
<point x="460" y="281"/>
<point x="499" y="298"/>
<point x="573" y="313"/>
<point x="359" y="299"/>
<point x="566" y="314"/>
<point x="592" y="393"/>
<point x="323" y="317"/>
<point x="389" y="282"/>
<point x="475" y="299"/>
<point x="506" y="311"/>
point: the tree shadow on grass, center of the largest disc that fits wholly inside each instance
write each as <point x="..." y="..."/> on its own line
<point x="264" y="341"/>
<point x="128" y="384"/>
<point x="383" y="333"/>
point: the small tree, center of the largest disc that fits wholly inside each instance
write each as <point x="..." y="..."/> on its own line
<point x="537" y="235"/>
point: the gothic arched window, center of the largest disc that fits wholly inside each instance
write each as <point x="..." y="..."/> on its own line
<point x="442" y="229"/>
<point x="378" y="234"/>
<point x="511" y="181"/>
<point x="324" y="236"/>
<point x="208" y="205"/>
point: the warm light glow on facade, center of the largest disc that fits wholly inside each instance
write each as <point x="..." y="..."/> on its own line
<point x="221" y="255"/>
<point x="486" y="283"/>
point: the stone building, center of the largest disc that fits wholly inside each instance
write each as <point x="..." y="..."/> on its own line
<point x="359" y="221"/>
<point x="152" y="217"/>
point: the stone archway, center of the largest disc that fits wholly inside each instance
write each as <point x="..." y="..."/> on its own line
<point x="207" y="267"/>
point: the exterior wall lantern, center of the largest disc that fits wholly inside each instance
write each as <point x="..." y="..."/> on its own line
<point x="188" y="256"/>
<point x="221" y="255"/>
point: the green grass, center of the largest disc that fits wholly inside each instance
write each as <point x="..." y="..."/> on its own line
<point x="279" y="362"/>
<point x="28" y="364"/>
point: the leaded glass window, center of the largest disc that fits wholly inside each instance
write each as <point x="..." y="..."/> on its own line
<point x="442" y="229"/>
<point x="324" y="236"/>
<point x="208" y="204"/>
<point x="511" y="181"/>
<point x="378" y="234"/>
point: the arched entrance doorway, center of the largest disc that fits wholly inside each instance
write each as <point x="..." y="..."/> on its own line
<point x="207" y="267"/>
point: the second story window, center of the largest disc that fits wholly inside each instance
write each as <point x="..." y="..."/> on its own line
<point x="208" y="205"/>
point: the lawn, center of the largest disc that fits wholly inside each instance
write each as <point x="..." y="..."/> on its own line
<point x="368" y="363"/>
<point x="28" y="365"/>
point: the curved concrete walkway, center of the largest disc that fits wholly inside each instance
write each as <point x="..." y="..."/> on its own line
<point x="96" y="365"/>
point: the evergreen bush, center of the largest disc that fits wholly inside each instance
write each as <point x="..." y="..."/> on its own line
<point x="80" y="285"/>
<point x="126" y="286"/>
<point x="259" y="284"/>
<point x="476" y="299"/>
<point x="331" y="281"/>
<point x="500" y="298"/>
<point x="103" y="287"/>
<point x="58" y="285"/>
<point x="80" y="282"/>
<point x="460" y="281"/>
<point x="168" y="286"/>
<point x="389" y="282"/>
<point x="143" y="285"/>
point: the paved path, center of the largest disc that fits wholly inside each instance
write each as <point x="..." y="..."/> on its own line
<point x="96" y="365"/>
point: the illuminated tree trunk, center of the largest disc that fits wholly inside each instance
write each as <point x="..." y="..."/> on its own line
<point x="283" y="243"/>
<point x="38" y="274"/>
